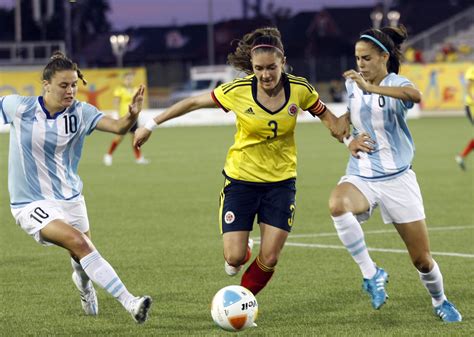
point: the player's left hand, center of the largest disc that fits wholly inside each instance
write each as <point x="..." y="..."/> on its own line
<point x="137" y="101"/>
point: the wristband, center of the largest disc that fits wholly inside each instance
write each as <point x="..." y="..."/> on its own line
<point x="348" y="140"/>
<point x="150" y="125"/>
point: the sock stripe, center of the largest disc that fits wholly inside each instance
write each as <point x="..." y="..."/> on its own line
<point x="87" y="260"/>
<point x="264" y="267"/>
<point x="358" y="251"/>
<point x="117" y="289"/>
<point x="111" y="283"/>
<point x="355" y="244"/>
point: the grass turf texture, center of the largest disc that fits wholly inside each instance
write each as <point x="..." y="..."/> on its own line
<point x="157" y="225"/>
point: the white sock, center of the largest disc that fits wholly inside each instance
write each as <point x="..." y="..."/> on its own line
<point x="102" y="273"/>
<point x="352" y="237"/>
<point x="433" y="282"/>
<point x="80" y="272"/>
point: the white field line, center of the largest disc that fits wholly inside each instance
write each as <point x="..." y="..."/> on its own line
<point x="380" y="231"/>
<point x="385" y="250"/>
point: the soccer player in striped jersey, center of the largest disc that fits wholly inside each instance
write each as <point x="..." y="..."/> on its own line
<point x="378" y="102"/>
<point x="260" y="168"/>
<point x="47" y="134"/>
<point x="123" y="96"/>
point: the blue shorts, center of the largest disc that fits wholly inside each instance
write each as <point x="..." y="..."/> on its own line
<point x="272" y="203"/>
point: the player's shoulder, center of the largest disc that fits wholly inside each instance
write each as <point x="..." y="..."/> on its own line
<point x="299" y="82"/>
<point x="16" y="100"/>
<point x="397" y="80"/>
<point x="243" y="83"/>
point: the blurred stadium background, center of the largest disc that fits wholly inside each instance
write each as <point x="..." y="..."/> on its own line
<point x="157" y="224"/>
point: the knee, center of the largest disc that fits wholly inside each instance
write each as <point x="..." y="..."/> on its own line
<point x="80" y="245"/>
<point x="338" y="205"/>
<point x="423" y="262"/>
<point x="234" y="258"/>
<point x="270" y="260"/>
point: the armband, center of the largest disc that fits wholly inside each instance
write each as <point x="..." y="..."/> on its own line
<point x="150" y="125"/>
<point x="348" y="140"/>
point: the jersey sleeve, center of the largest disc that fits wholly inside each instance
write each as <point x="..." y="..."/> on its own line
<point x="401" y="81"/>
<point x="91" y="116"/>
<point x="8" y="107"/>
<point x="310" y="101"/>
<point x="222" y="98"/>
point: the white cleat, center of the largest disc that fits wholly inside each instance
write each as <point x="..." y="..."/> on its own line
<point x="108" y="160"/>
<point x="142" y="160"/>
<point x="231" y="270"/>
<point x="88" y="296"/>
<point x="139" y="308"/>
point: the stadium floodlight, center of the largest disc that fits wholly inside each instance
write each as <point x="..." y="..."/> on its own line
<point x="376" y="16"/>
<point x="393" y="18"/>
<point x="119" y="47"/>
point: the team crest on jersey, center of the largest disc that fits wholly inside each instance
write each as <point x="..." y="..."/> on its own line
<point x="292" y="109"/>
<point x="229" y="217"/>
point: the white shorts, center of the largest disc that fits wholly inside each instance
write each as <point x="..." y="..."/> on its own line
<point x="399" y="198"/>
<point x="36" y="215"/>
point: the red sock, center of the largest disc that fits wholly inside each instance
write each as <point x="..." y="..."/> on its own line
<point x="256" y="276"/>
<point x="137" y="152"/>
<point x="468" y="148"/>
<point x="113" y="146"/>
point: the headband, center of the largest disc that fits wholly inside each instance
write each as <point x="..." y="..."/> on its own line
<point x="377" y="42"/>
<point x="266" y="46"/>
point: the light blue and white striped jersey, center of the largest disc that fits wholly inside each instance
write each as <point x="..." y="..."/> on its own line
<point x="44" y="152"/>
<point x="384" y="119"/>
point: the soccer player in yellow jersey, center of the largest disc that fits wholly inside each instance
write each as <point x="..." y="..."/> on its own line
<point x="260" y="167"/>
<point x="469" y="76"/>
<point x="123" y="96"/>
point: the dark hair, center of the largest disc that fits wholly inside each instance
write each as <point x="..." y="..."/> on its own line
<point x="391" y="38"/>
<point x="268" y="37"/>
<point x="60" y="62"/>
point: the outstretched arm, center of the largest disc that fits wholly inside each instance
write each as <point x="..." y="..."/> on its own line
<point x="122" y="125"/>
<point x="339" y="127"/>
<point x="176" y="110"/>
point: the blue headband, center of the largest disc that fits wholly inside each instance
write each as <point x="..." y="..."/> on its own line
<point x="375" y="41"/>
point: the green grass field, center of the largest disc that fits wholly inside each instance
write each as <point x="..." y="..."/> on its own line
<point x="157" y="225"/>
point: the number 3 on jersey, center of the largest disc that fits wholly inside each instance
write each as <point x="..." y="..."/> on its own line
<point x="274" y="127"/>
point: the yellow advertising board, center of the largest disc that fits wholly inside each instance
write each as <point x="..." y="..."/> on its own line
<point x="442" y="84"/>
<point x="99" y="90"/>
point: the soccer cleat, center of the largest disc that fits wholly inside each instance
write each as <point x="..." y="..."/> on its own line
<point x="460" y="161"/>
<point x="142" y="160"/>
<point x="231" y="270"/>
<point x="139" y="308"/>
<point x="108" y="160"/>
<point x="376" y="288"/>
<point x="88" y="296"/>
<point x="447" y="312"/>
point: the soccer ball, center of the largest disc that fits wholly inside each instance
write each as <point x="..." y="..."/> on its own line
<point x="234" y="308"/>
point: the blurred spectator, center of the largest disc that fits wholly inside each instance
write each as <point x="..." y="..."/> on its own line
<point x="410" y="55"/>
<point x="336" y="90"/>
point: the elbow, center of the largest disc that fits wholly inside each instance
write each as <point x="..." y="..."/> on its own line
<point x="417" y="97"/>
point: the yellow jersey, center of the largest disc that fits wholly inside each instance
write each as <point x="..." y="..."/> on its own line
<point x="264" y="148"/>
<point x="469" y="76"/>
<point x="126" y="96"/>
